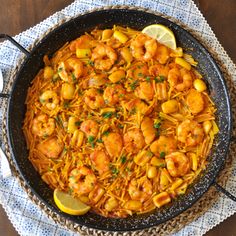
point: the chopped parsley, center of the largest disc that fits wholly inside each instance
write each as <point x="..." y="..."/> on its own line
<point x="115" y="171"/>
<point x="106" y="133"/>
<point x="140" y="74"/>
<point x="134" y="85"/>
<point x="160" y="79"/>
<point x="59" y="121"/>
<point x="162" y="154"/>
<point x="157" y="125"/>
<point x="158" y="133"/>
<point x="99" y="140"/>
<point x="120" y="126"/>
<point x="123" y="159"/>
<point x="60" y="69"/>
<point x="90" y="63"/>
<point x="148" y="79"/>
<point x="91" y="141"/>
<point x="163" y="165"/>
<point x="73" y="77"/>
<point x="107" y="115"/>
<point x="77" y="123"/>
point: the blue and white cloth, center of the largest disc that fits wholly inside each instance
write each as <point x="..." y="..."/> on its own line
<point x="25" y="216"/>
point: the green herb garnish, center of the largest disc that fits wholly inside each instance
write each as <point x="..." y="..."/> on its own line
<point x="90" y="63"/>
<point x="59" y="121"/>
<point x="106" y="133"/>
<point x="123" y="159"/>
<point x="60" y="69"/>
<point x="78" y="123"/>
<point x="120" y="126"/>
<point x="157" y="125"/>
<point x="73" y="77"/>
<point x="99" y="140"/>
<point x="91" y="141"/>
<point x="134" y="85"/>
<point x="162" y="165"/>
<point x="148" y="79"/>
<point x="162" y="154"/>
<point x="107" y="115"/>
<point x="160" y="79"/>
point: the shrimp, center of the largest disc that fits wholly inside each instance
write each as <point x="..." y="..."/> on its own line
<point x="164" y="145"/>
<point x="97" y="80"/>
<point x="103" y="56"/>
<point x="93" y="99"/>
<point x="195" y="101"/>
<point x="49" y="99"/>
<point x="90" y="128"/>
<point x="180" y="79"/>
<point x="113" y="143"/>
<point x="135" y="105"/>
<point x="162" y="54"/>
<point x="82" y="180"/>
<point x="43" y="126"/>
<point x="82" y="42"/>
<point x="140" y="189"/>
<point x="149" y="132"/>
<point x="100" y="160"/>
<point x="143" y="47"/>
<point x="70" y="70"/>
<point x="177" y="164"/>
<point x="159" y="70"/>
<point x="145" y="91"/>
<point x="190" y="132"/>
<point x="51" y="147"/>
<point x="138" y="71"/>
<point x="133" y="141"/>
<point x="113" y="94"/>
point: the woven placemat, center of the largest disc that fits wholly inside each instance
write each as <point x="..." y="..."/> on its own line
<point x="168" y="227"/>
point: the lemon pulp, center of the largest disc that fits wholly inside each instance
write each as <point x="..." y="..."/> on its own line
<point x="162" y="34"/>
<point x="68" y="204"/>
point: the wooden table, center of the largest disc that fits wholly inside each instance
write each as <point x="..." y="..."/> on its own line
<point x="18" y="15"/>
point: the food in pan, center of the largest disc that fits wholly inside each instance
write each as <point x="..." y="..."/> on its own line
<point x="119" y="121"/>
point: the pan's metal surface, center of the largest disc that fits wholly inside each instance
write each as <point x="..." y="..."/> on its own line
<point x="103" y="19"/>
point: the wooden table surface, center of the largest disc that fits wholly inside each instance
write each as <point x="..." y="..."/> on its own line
<point x="18" y="15"/>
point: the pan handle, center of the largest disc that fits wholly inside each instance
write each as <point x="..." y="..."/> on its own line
<point x="21" y="48"/>
<point x="225" y="192"/>
<point x="13" y="41"/>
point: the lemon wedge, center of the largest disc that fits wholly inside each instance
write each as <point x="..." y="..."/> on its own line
<point x="162" y="34"/>
<point x="68" y="204"/>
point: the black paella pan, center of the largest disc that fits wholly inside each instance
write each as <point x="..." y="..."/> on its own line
<point x="137" y="19"/>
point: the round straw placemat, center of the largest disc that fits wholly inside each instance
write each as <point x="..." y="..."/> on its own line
<point x="169" y="227"/>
